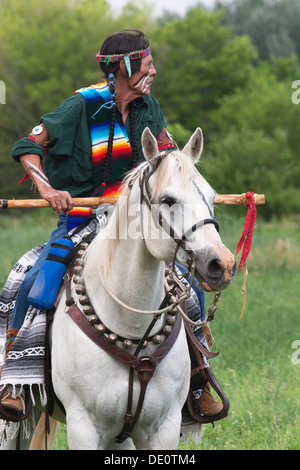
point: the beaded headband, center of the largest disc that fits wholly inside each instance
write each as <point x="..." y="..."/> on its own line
<point x="118" y="57"/>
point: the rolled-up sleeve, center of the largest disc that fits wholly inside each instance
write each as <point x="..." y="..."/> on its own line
<point x="26" y="146"/>
<point x="61" y="125"/>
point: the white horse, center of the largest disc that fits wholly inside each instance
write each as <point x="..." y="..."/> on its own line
<point x="165" y="212"/>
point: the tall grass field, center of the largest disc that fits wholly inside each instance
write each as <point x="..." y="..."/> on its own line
<point x="259" y="356"/>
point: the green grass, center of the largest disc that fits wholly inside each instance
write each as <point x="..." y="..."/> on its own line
<point x="19" y="234"/>
<point x="255" y="365"/>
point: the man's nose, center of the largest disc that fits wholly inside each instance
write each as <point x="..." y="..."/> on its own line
<point x="153" y="70"/>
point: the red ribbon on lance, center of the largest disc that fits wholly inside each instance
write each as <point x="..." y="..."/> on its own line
<point x="246" y="238"/>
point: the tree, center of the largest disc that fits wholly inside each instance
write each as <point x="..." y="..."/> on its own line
<point x="257" y="144"/>
<point x="47" y="51"/>
<point x="273" y="25"/>
<point x="199" y="61"/>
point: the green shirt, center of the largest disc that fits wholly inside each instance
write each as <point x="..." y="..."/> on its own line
<point x="68" y="159"/>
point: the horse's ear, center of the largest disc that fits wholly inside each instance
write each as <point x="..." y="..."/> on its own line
<point x="194" y="146"/>
<point x="149" y="144"/>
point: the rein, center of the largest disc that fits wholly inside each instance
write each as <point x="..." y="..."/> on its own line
<point x="144" y="366"/>
<point x="159" y="311"/>
<point x="180" y="243"/>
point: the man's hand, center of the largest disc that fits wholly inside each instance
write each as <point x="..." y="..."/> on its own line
<point x="61" y="201"/>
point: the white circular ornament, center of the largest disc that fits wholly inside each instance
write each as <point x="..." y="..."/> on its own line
<point x="37" y="130"/>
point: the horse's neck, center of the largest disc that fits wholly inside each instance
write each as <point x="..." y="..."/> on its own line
<point x="136" y="278"/>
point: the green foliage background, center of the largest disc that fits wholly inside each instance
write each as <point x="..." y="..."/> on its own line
<point x="229" y="71"/>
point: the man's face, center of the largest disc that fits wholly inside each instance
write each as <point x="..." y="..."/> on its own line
<point x="142" y="80"/>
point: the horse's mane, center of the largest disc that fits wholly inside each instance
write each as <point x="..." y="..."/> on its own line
<point x="107" y="239"/>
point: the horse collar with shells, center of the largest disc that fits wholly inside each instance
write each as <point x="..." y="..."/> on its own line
<point x="83" y="303"/>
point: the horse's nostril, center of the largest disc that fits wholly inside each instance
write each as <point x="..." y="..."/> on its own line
<point x="215" y="270"/>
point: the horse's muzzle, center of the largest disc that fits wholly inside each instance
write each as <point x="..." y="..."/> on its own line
<point x="215" y="268"/>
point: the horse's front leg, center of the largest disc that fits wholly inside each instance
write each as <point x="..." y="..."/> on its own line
<point x="164" y="435"/>
<point x="84" y="433"/>
<point x="81" y="431"/>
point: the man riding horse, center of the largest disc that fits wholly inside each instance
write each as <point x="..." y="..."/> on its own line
<point x="85" y="148"/>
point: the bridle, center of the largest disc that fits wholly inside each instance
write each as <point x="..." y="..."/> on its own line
<point x="145" y="197"/>
<point x="144" y="174"/>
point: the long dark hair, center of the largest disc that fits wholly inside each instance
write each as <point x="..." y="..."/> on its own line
<point x="120" y="43"/>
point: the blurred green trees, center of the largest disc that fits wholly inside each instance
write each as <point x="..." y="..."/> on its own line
<point x="257" y="144"/>
<point x="229" y="71"/>
<point x="199" y="61"/>
<point x="273" y="25"/>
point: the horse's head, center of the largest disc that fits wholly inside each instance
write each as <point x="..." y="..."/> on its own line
<point x="180" y="202"/>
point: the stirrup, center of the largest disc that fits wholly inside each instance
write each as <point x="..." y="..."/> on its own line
<point x="11" y="416"/>
<point x="201" y="374"/>
<point x="13" y="405"/>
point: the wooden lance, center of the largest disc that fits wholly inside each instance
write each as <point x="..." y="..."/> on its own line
<point x="227" y="199"/>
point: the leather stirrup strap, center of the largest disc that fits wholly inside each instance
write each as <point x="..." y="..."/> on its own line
<point x="207" y="373"/>
<point x="196" y="344"/>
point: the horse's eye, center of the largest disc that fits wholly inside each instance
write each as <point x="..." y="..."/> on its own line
<point x="169" y="200"/>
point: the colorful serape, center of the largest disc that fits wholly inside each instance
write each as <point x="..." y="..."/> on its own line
<point x="98" y="98"/>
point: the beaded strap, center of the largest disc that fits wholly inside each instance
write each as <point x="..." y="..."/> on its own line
<point x="118" y="57"/>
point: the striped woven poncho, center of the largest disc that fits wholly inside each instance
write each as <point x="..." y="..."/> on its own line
<point x="96" y="96"/>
